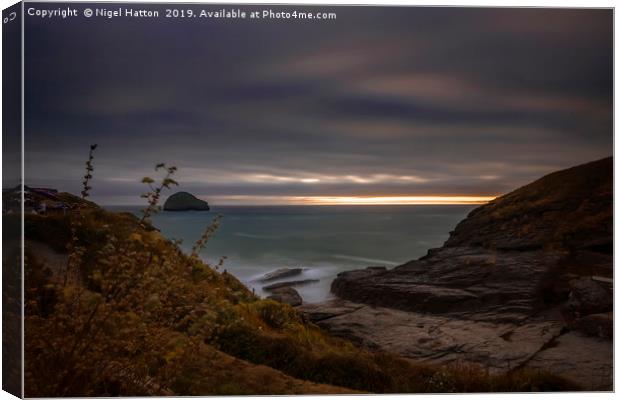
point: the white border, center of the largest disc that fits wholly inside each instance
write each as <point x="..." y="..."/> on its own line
<point x="462" y="3"/>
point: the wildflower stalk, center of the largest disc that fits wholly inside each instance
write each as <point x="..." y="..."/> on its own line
<point x="154" y="194"/>
<point x="206" y="235"/>
<point x="89" y="173"/>
<point x="76" y="252"/>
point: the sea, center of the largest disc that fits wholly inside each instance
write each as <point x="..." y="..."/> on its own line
<point x="323" y="240"/>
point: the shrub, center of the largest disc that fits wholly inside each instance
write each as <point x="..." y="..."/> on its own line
<point x="276" y="315"/>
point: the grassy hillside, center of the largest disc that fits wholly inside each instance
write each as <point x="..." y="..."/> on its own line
<point x="566" y="210"/>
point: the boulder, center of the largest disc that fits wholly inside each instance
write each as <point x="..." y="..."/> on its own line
<point x="596" y="325"/>
<point x="588" y="297"/>
<point x="280" y="273"/>
<point x="286" y="295"/>
<point x="183" y="201"/>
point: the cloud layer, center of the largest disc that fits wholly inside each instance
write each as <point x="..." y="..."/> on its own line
<point x="382" y="101"/>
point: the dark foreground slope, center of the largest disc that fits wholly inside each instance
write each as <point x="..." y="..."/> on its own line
<point x="522" y="281"/>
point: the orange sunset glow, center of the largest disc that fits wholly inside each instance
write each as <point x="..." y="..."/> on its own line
<point x="354" y="200"/>
<point x="396" y="200"/>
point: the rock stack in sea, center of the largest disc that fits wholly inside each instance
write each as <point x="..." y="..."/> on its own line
<point x="183" y="201"/>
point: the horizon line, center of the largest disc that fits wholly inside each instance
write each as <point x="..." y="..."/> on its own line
<point x="341" y="200"/>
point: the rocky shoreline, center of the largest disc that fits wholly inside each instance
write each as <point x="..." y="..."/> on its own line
<point x="524" y="281"/>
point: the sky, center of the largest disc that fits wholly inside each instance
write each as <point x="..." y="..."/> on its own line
<point x="383" y="102"/>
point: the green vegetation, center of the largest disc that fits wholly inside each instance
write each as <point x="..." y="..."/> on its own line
<point x="128" y="313"/>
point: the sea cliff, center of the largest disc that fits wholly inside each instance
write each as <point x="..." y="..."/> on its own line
<point x="524" y="281"/>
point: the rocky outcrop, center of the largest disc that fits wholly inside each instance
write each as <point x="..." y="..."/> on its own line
<point x="589" y="297"/>
<point x="461" y="281"/>
<point x="286" y="295"/>
<point x="280" y="274"/>
<point x="518" y="283"/>
<point x="183" y="201"/>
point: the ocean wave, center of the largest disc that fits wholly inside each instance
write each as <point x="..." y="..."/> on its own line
<point x="364" y="259"/>
<point x="254" y="236"/>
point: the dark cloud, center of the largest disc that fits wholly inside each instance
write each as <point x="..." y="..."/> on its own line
<point x="384" y="100"/>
